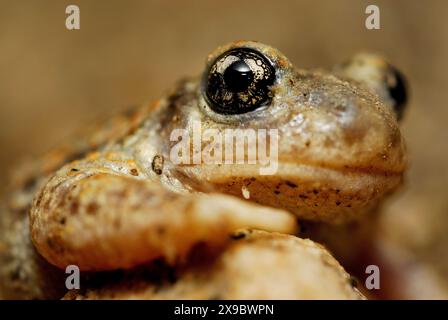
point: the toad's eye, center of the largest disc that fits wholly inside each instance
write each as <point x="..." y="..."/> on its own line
<point x="396" y="85"/>
<point x="239" y="81"/>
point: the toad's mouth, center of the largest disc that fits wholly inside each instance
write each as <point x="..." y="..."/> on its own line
<point x="312" y="192"/>
<point x="356" y="177"/>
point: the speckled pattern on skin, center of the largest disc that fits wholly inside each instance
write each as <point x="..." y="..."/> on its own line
<point x="114" y="200"/>
<point x="256" y="264"/>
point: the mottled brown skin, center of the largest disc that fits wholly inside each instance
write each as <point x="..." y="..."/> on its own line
<point x="340" y="153"/>
<point x="24" y="273"/>
<point x="256" y="264"/>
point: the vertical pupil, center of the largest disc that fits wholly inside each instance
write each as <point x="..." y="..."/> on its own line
<point x="238" y="76"/>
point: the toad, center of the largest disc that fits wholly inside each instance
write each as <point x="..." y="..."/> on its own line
<point x="117" y="198"/>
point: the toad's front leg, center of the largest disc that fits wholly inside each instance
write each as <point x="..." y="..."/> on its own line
<point x="101" y="219"/>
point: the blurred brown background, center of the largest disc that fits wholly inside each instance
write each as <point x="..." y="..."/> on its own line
<point x="127" y="52"/>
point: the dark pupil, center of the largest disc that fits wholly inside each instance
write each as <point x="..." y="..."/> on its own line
<point x="238" y="76"/>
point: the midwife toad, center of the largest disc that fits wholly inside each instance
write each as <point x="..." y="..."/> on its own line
<point x="115" y="200"/>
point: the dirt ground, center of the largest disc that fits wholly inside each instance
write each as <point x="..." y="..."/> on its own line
<point x="53" y="81"/>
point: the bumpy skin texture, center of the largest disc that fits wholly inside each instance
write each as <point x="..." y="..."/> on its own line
<point x="256" y="265"/>
<point x="87" y="225"/>
<point x="115" y="200"/>
<point x="25" y="274"/>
